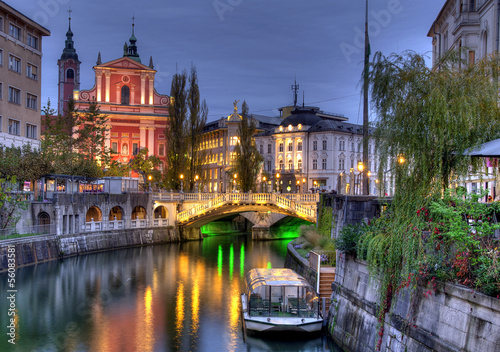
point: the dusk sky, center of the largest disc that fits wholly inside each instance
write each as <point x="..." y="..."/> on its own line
<point x="243" y="49"/>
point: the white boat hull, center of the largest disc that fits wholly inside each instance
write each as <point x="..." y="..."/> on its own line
<point x="310" y="325"/>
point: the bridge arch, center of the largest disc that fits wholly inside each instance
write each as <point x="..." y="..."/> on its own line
<point x="93" y="214"/>
<point x="116" y="213"/>
<point x="160" y="212"/>
<point x="139" y="212"/>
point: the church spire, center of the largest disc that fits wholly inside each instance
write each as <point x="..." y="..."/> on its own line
<point x="69" y="51"/>
<point x="132" y="48"/>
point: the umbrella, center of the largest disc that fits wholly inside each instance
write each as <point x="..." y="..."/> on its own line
<point x="488" y="149"/>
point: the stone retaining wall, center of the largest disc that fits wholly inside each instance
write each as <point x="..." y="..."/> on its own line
<point x="300" y="265"/>
<point x="36" y="249"/>
<point x="454" y="318"/>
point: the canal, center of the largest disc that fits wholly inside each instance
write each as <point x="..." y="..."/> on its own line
<point x="173" y="297"/>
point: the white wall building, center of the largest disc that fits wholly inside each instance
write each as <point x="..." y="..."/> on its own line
<point x="472" y="26"/>
<point x="313" y="150"/>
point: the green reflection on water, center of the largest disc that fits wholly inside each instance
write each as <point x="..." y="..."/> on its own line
<point x="219" y="261"/>
<point x="231" y="261"/>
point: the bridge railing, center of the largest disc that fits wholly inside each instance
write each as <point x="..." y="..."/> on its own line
<point x="283" y="201"/>
<point x="296" y="197"/>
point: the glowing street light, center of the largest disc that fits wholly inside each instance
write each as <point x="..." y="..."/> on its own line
<point x="277" y="181"/>
<point x="196" y="178"/>
<point x="182" y="182"/>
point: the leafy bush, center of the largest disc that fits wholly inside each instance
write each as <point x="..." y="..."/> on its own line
<point x="349" y="236"/>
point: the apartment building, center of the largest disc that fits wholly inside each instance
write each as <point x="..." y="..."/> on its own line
<point x="20" y="77"/>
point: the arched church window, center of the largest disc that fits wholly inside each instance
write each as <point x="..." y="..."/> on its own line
<point x="125" y="95"/>
<point x="70" y="73"/>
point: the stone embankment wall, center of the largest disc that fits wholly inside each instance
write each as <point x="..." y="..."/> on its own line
<point x="453" y="318"/>
<point x="300" y="265"/>
<point x="36" y="249"/>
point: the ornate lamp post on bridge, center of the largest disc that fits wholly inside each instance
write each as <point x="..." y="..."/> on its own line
<point x="182" y="183"/>
<point x="196" y="177"/>
<point x="264" y="185"/>
<point x="277" y="182"/>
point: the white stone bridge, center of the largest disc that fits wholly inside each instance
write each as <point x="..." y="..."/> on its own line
<point x="261" y="209"/>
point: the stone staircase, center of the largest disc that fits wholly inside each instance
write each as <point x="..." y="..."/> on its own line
<point x="327" y="276"/>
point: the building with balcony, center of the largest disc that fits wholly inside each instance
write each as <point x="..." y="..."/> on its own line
<point x="20" y="78"/>
<point x="314" y="151"/>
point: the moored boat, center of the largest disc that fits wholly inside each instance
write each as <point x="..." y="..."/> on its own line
<point x="279" y="300"/>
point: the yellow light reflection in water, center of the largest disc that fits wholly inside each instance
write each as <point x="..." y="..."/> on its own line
<point x="234" y="315"/>
<point x="101" y="331"/>
<point x="195" y="303"/>
<point x="231" y="262"/>
<point x="145" y="340"/>
<point x="219" y="261"/>
<point x="242" y="260"/>
<point x="179" y="312"/>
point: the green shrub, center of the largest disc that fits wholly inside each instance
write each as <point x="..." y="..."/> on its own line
<point x="349" y="236"/>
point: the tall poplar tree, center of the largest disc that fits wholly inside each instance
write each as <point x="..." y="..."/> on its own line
<point x="248" y="159"/>
<point x="176" y="131"/>
<point x="197" y="120"/>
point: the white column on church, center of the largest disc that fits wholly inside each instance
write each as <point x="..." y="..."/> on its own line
<point x="108" y="77"/>
<point x="143" y="89"/>
<point x="151" y="89"/>
<point x="151" y="145"/>
<point x="98" y="74"/>
<point x="142" y="131"/>
<point x="107" y="140"/>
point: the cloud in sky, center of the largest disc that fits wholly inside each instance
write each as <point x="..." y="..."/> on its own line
<point x="243" y="49"/>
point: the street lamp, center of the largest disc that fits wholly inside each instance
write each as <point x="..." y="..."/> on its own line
<point x="277" y="181"/>
<point x="182" y="182"/>
<point x="235" y="176"/>
<point x="303" y="185"/>
<point x="149" y="179"/>
<point x="298" y="186"/>
<point x="196" y="177"/>
<point x="264" y="184"/>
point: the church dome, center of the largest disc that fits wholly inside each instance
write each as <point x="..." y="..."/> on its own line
<point x="305" y="117"/>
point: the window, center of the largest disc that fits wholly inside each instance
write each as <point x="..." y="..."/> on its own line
<point x="1" y="24"/>
<point x="14" y="64"/>
<point x="299" y="145"/>
<point x="281" y="165"/>
<point x="315" y="145"/>
<point x="31" y="131"/>
<point x="323" y="164"/>
<point x="261" y="148"/>
<point x="1" y="123"/>
<point x="1" y="57"/>
<point x="161" y="150"/>
<point x="15" y="31"/>
<point x="341" y="164"/>
<point x="70" y="73"/>
<point x="359" y="147"/>
<point x="31" y="101"/>
<point x="352" y="147"/>
<point x="324" y="145"/>
<point x="125" y="95"/>
<point x="299" y="164"/>
<point x="290" y="164"/>
<point x="221" y="142"/>
<point x="14" y="127"/>
<point x="14" y="95"/>
<point x="269" y="148"/>
<point x="269" y="165"/>
<point x="281" y="147"/>
<point x="32" y="71"/>
<point x="1" y="91"/>
<point x="114" y="147"/>
<point x="342" y="145"/>
<point x="315" y="164"/>
<point x="32" y="41"/>
<point x="135" y="148"/>
<point x="290" y="146"/>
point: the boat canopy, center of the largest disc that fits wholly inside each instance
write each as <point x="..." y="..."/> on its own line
<point x="274" y="277"/>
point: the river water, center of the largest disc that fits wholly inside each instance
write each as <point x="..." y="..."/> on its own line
<point x="173" y="297"/>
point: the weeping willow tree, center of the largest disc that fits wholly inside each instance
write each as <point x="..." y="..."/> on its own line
<point x="430" y="117"/>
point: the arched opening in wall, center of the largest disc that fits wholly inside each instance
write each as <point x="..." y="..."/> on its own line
<point x="139" y="213"/>
<point x="161" y="212"/>
<point x="94" y="214"/>
<point x="125" y="95"/>
<point x="116" y="213"/>
<point x="43" y="219"/>
<point x="70" y="73"/>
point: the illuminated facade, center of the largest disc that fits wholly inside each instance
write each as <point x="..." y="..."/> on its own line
<point x="313" y="150"/>
<point x="218" y="142"/>
<point x="124" y="89"/>
<point x="20" y="78"/>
